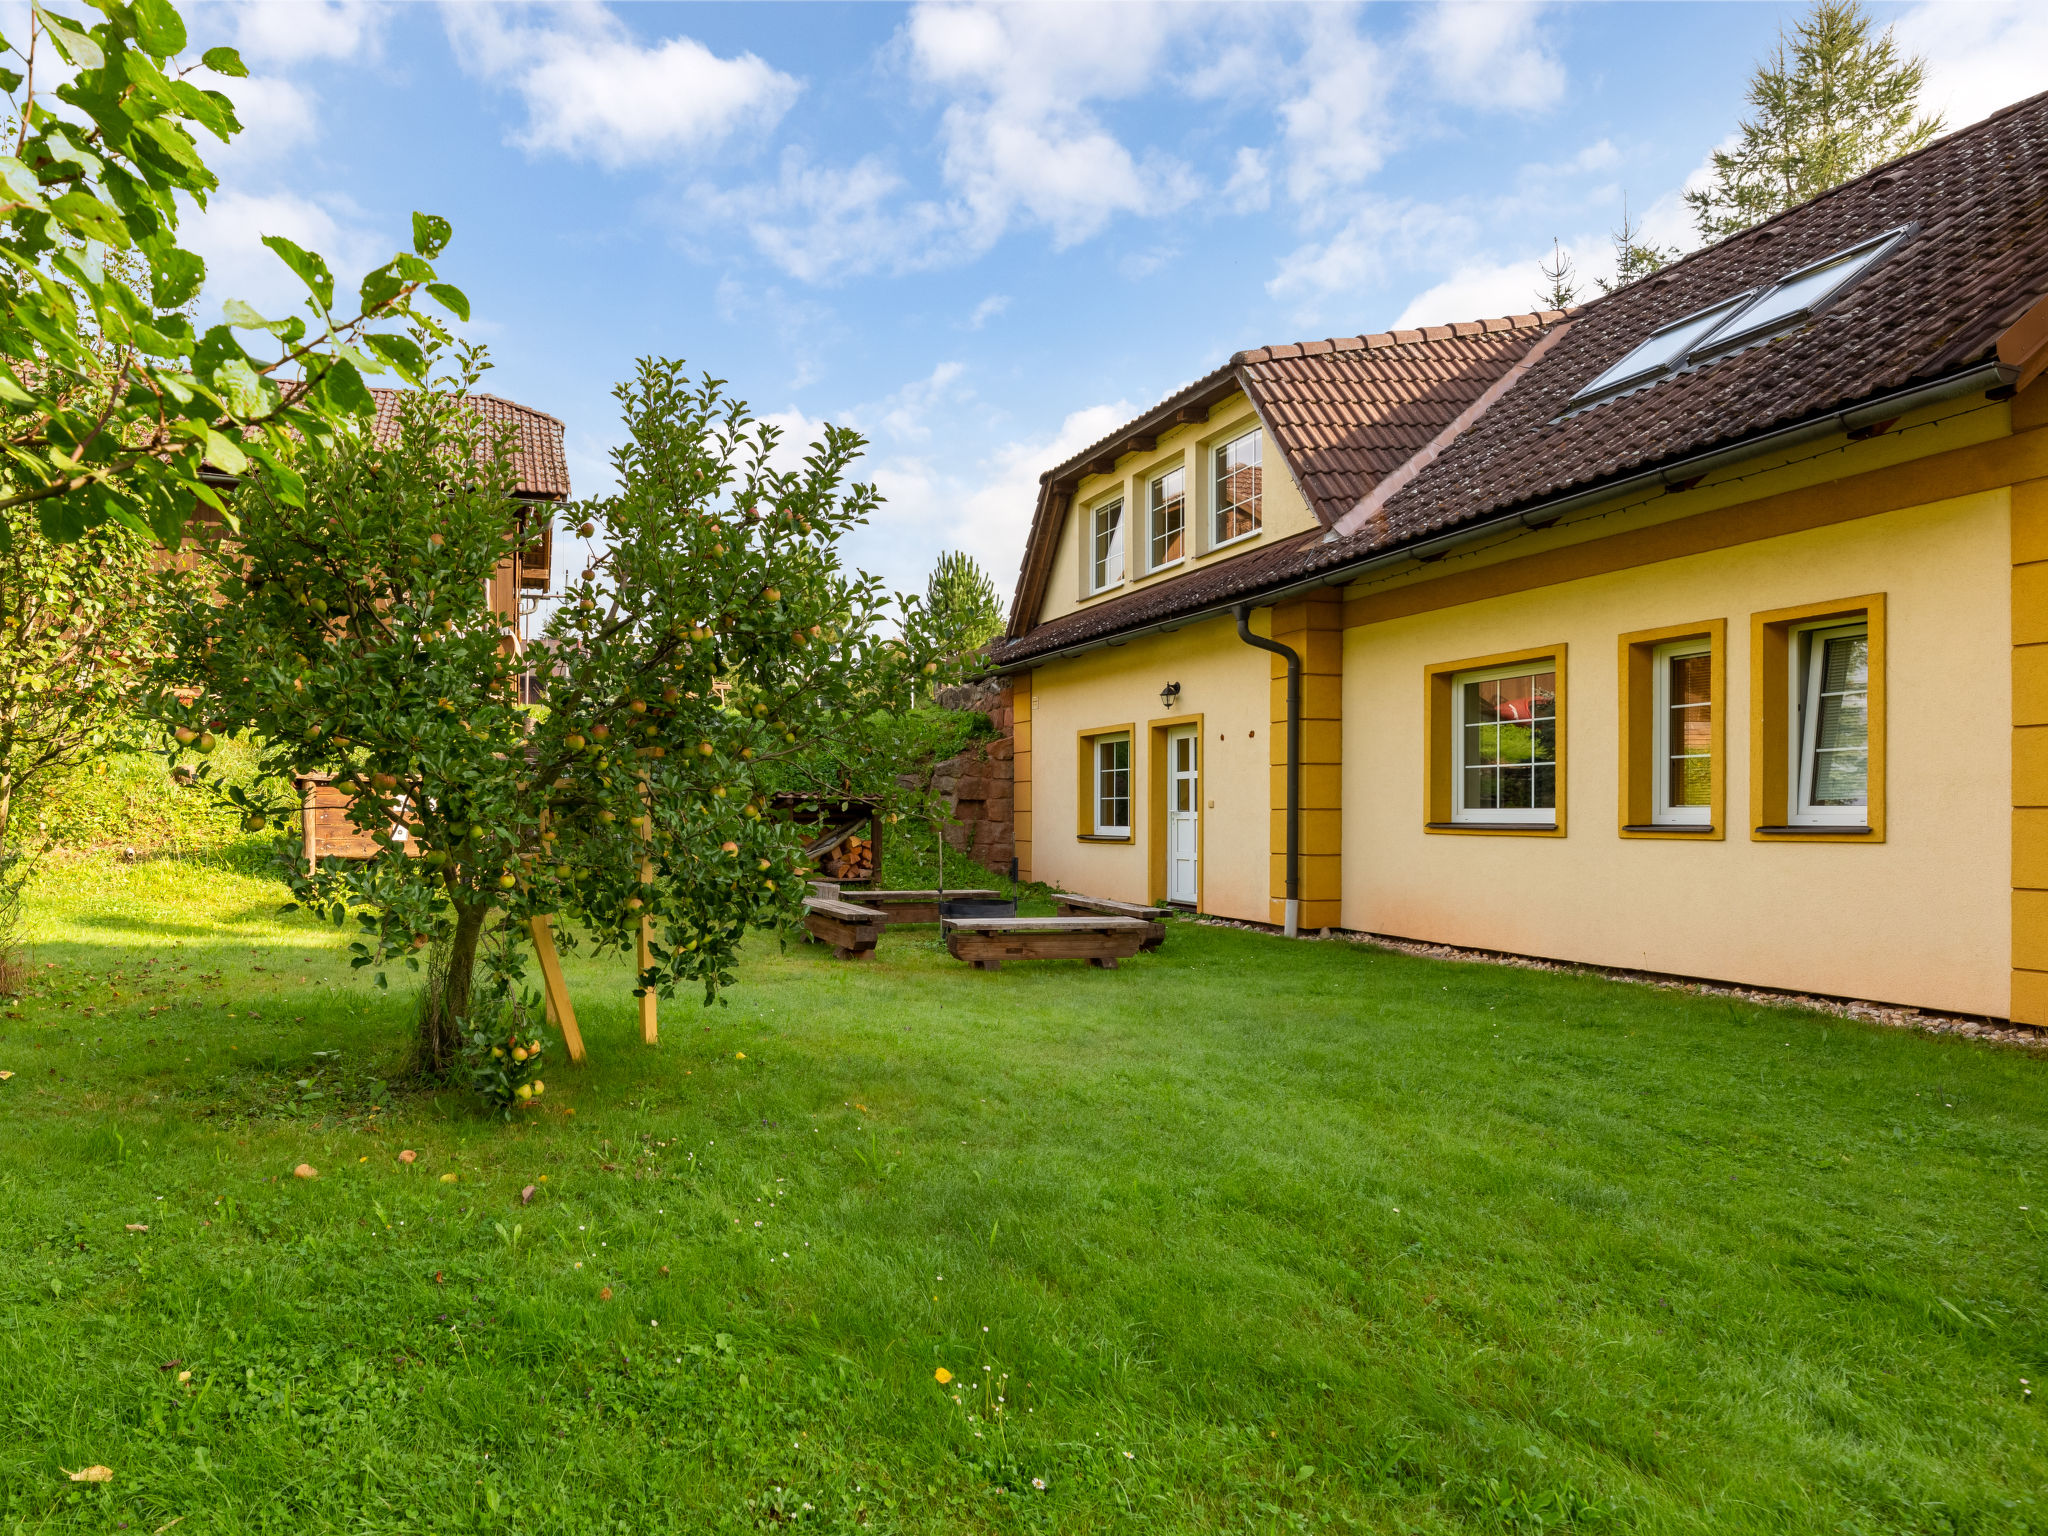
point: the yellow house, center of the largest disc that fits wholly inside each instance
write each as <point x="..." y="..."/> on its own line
<point x="1700" y="630"/>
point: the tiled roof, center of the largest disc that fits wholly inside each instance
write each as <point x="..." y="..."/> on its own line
<point x="1346" y="411"/>
<point x="1975" y="262"/>
<point x="1977" y="259"/>
<point x="539" y="460"/>
<point x="1350" y="411"/>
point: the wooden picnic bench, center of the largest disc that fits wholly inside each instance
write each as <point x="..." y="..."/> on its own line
<point x="1095" y="906"/>
<point x="903" y="906"/>
<point x="853" y="932"/>
<point x="986" y="942"/>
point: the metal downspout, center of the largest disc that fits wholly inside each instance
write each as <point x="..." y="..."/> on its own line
<point x="1244" y="633"/>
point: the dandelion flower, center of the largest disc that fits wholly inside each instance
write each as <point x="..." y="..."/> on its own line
<point x="942" y="1375"/>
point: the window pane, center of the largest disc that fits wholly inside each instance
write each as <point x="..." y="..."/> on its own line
<point x="1479" y="787"/>
<point x="1517" y="788"/>
<point x="1839" y="777"/>
<point x="1238" y="488"/>
<point x="1168" y="511"/>
<point x="1109" y="545"/>
<point x="1662" y="350"/>
<point x="1692" y="781"/>
<point x="1841" y="735"/>
<point x="1691" y="679"/>
<point x="1545" y="780"/>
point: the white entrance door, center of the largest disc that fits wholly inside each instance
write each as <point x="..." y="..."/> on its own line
<point x="1183" y="812"/>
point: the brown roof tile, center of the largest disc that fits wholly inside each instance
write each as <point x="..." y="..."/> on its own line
<point x="538" y="456"/>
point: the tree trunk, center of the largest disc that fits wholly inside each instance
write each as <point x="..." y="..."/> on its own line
<point x="444" y="1012"/>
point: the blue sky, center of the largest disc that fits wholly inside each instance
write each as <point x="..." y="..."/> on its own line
<point x="983" y="235"/>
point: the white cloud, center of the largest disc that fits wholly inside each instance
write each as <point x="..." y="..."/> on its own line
<point x="229" y="234"/>
<point x="905" y="414"/>
<point x="987" y="310"/>
<point x="986" y="512"/>
<point x="1250" y="186"/>
<point x="1979" y="57"/>
<point x="294" y="31"/>
<point x="1481" y="290"/>
<point x="1020" y="136"/>
<point x="1488" y="56"/>
<point x="1337" y="129"/>
<point x="820" y="223"/>
<point x="278" y="118"/>
<point x="594" y="91"/>
<point x="1361" y="254"/>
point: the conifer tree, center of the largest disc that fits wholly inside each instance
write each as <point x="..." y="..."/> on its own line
<point x="1832" y="102"/>
<point x="1634" y="258"/>
<point x="1560" y="288"/>
<point x="961" y="605"/>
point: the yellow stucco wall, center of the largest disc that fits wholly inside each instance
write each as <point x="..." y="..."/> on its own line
<point x="1283" y="510"/>
<point x="1224" y="681"/>
<point x="1921" y="918"/>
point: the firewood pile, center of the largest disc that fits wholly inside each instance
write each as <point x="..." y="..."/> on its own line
<point x="851" y="859"/>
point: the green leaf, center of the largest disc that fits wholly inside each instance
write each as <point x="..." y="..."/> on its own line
<point x="19" y="184"/>
<point x="244" y="315"/>
<point x="289" y="487"/>
<point x="431" y="234"/>
<point x="75" y="47"/>
<point x="450" y="298"/>
<point x="224" y="453"/>
<point x="175" y="277"/>
<point x="311" y="269"/>
<point x="401" y="352"/>
<point x="380" y="287"/>
<point x="244" y="391"/>
<point x="345" y="387"/>
<point x="225" y="61"/>
<point x="159" y="28"/>
<point x="86" y="216"/>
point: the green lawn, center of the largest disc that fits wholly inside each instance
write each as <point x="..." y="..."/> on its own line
<point x="1246" y="1236"/>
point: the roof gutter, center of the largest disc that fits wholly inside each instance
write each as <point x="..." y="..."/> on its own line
<point x="1673" y="476"/>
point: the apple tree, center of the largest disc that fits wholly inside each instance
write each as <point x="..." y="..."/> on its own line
<point x="718" y="635"/>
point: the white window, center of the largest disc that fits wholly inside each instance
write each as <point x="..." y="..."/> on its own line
<point x="1106" y="558"/>
<point x="1830" y="690"/>
<point x="1683" y="727"/>
<point x="1112" y="786"/>
<point x="1167" y="513"/>
<point x="1504" y="748"/>
<point x="1236" y="511"/>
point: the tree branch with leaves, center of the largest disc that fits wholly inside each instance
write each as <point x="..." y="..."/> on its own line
<point x="112" y="404"/>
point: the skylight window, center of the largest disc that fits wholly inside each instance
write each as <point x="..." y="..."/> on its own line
<point x="1665" y="349"/>
<point x="1796" y="297"/>
<point x="1741" y="321"/>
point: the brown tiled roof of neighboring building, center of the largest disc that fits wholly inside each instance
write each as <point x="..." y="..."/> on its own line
<point x="538" y="457"/>
<point x="1975" y="263"/>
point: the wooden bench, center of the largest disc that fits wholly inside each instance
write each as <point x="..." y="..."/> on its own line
<point x="912" y="906"/>
<point x="1095" y="906"/>
<point x="853" y="932"/>
<point x="986" y="942"/>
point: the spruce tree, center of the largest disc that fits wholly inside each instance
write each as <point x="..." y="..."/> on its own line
<point x="1832" y="102"/>
<point x="961" y="606"/>
<point x="1633" y="258"/>
<point x="1560" y="288"/>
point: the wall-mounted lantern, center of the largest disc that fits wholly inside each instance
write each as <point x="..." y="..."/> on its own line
<point x="1168" y="695"/>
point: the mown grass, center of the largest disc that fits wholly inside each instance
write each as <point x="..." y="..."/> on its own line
<point x="1246" y="1236"/>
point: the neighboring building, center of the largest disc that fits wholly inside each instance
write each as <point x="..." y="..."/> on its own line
<point x="1703" y="629"/>
<point x="541" y="484"/>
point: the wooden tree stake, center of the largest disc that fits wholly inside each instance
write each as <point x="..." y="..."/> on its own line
<point x="648" y="1029"/>
<point x="556" y="987"/>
